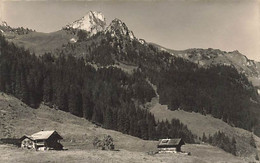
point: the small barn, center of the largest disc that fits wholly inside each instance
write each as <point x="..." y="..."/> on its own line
<point x="43" y="140"/>
<point x="170" y="145"/>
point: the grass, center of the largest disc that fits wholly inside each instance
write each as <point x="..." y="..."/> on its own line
<point x="199" y="123"/>
<point x="200" y="154"/>
<point x="17" y="119"/>
<point x="39" y="43"/>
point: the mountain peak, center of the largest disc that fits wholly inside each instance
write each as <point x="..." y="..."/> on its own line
<point x="3" y="26"/>
<point x="92" y="22"/>
<point x="118" y="28"/>
<point x="3" y="23"/>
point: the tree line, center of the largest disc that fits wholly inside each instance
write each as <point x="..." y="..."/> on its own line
<point x="222" y="141"/>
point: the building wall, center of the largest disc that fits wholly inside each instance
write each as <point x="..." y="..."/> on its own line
<point x="167" y="149"/>
<point x="43" y="144"/>
<point x="28" y="143"/>
<point x="54" y="144"/>
<point x="173" y="149"/>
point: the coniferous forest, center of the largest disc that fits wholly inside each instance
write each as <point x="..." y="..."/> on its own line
<point x="222" y="141"/>
<point x="218" y="90"/>
<point x="106" y="96"/>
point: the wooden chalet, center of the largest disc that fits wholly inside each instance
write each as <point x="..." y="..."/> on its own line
<point x="170" y="145"/>
<point x="43" y="140"/>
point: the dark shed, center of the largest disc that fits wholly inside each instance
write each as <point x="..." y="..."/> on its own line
<point x="170" y="144"/>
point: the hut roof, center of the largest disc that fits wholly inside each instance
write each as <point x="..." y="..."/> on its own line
<point x="43" y="135"/>
<point x="26" y="136"/>
<point x="170" y="142"/>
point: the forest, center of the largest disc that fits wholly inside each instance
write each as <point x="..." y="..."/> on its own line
<point x="107" y="96"/>
<point x="222" y="141"/>
<point x="218" y="90"/>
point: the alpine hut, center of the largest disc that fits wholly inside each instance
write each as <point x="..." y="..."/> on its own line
<point x="43" y="140"/>
<point x="170" y="145"/>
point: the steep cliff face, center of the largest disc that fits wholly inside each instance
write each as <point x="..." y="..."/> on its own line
<point x="117" y="28"/>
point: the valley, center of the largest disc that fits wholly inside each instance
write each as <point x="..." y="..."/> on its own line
<point x="135" y="91"/>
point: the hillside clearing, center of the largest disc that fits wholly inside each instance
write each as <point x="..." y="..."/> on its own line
<point x="40" y="43"/>
<point x="199" y="124"/>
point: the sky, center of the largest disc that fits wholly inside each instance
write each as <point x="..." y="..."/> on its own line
<point x="178" y="24"/>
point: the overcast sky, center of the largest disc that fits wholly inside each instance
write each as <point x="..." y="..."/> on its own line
<point x="227" y="25"/>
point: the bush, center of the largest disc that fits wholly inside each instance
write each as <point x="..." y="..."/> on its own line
<point x="105" y="143"/>
<point x="257" y="157"/>
<point x="16" y="142"/>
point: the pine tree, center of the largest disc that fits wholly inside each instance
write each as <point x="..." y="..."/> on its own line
<point x="24" y="89"/>
<point x="108" y="118"/>
<point x="210" y="139"/>
<point x="143" y="128"/>
<point x="204" y="138"/>
<point x="252" y="141"/>
<point x="47" y="90"/>
<point x="233" y="146"/>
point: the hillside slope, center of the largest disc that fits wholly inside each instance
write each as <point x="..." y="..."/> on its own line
<point x="41" y="43"/>
<point x="18" y="119"/>
<point x="208" y="57"/>
<point x="199" y="124"/>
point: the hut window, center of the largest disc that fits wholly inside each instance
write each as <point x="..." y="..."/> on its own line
<point x="165" y="141"/>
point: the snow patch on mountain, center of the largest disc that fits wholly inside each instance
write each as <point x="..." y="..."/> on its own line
<point x="73" y="40"/>
<point x="142" y="41"/>
<point x="163" y="49"/>
<point x="92" y="22"/>
<point x="3" y="23"/>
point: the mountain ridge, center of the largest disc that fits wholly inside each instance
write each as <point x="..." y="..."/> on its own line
<point x="118" y="28"/>
<point x="6" y="29"/>
<point x="207" y="57"/>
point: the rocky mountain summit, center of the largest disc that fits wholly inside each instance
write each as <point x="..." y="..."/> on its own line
<point x="93" y="22"/>
<point x="6" y="29"/>
<point x="118" y="28"/>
